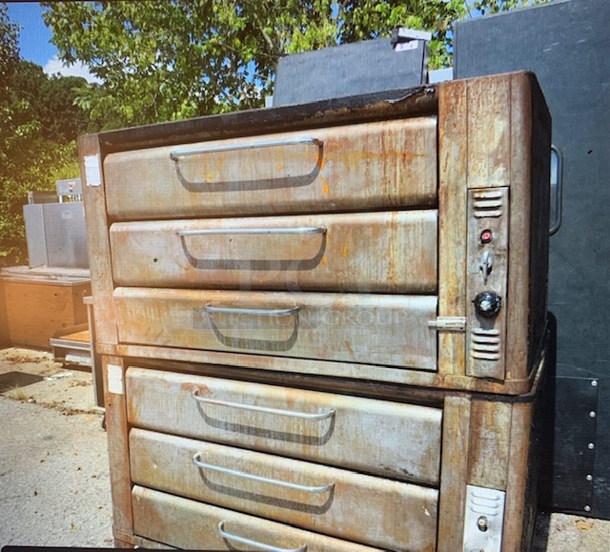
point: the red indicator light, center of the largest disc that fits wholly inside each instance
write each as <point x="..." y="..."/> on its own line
<point x="486" y="236"/>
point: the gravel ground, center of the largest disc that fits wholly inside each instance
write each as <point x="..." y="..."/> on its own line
<point x="54" y="486"/>
<point x="54" y="482"/>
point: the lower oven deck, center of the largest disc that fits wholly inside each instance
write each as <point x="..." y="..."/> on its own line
<point x="209" y="462"/>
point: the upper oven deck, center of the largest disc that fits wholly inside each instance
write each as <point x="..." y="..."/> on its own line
<point x="432" y="203"/>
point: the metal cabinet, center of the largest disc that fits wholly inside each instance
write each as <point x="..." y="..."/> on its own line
<point x="323" y="326"/>
<point x="37" y="303"/>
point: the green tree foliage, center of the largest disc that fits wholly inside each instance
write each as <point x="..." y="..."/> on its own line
<point x="51" y="101"/>
<point x="174" y="59"/>
<point x="9" y="50"/>
<point x="168" y="60"/>
<point x="38" y="127"/>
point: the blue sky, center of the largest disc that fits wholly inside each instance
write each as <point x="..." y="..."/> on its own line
<point x="34" y="40"/>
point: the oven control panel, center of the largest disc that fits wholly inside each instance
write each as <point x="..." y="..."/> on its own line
<point x="488" y="214"/>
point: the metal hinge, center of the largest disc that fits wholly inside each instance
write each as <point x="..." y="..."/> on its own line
<point x="449" y="324"/>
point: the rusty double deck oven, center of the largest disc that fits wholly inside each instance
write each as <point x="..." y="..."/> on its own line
<point x="322" y="325"/>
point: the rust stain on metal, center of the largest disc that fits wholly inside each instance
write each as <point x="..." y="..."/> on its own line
<point x="325" y="187"/>
<point x="190" y="387"/>
<point x="349" y="348"/>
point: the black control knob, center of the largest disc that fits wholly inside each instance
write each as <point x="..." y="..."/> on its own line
<point x="487" y="304"/>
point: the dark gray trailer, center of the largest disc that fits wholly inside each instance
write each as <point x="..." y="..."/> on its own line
<point x="567" y="45"/>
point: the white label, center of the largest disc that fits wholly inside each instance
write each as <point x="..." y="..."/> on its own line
<point x="404" y="46"/>
<point x="93" y="173"/>
<point x="483" y="519"/>
<point x="115" y="379"/>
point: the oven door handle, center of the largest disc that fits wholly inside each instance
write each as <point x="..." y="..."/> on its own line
<point x="178" y="154"/>
<point x="269" y="230"/>
<point x="278" y="412"/>
<point x="210" y="309"/>
<point x="249" y="542"/>
<point x="250" y="477"/>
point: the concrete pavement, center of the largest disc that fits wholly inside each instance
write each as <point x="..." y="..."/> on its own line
<point x="54" y="479"/>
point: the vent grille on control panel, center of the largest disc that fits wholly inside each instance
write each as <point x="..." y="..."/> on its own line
<point x="487" y="504"/>
<point x="488" y="204"/>
<point x="485" y="344"/>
